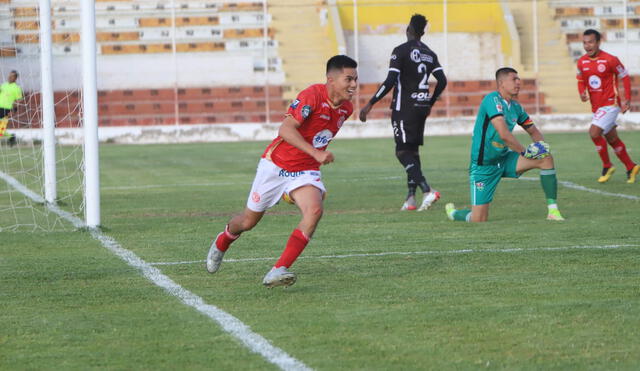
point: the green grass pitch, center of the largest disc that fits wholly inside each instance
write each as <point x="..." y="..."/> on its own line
<point x="68" y="303"/>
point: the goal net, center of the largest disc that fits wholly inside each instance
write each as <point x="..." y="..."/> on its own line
<point x="22" y="165"/>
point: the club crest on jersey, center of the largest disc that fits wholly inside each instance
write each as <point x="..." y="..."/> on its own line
<point x="415" y="55"/>
<point x="479" y="186"/>
<point x="595" y="82"/>
<point x="306" y="111"/>
<point x="601" y="67"/>
<point x="322" y="138"/>
<point x="295" y="103"/>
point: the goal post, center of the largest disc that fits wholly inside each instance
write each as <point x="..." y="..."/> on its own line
<point x="90" y="115"/>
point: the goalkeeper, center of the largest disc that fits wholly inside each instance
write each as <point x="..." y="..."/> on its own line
<point x="496" y="153"/>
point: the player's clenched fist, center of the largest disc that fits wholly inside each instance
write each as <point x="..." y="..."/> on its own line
<point x="323" y="157"/>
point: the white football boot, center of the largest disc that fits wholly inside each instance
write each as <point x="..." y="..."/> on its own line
<point x="279" y="277"/>
<point x="214" y="257"/>
<point x="429" y="199"/>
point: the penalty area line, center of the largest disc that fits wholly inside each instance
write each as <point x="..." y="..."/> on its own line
<point x="404" y="253"/>
<point x="230" y="324"/>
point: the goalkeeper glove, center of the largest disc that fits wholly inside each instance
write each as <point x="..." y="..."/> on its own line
<point x="536" y="151"/>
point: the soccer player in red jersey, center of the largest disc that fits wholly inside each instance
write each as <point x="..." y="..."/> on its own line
<point x="290" y="167"/>
<point x="598" y="74"/>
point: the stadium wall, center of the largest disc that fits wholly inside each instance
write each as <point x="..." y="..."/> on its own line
<point x="477" y="60"/>
<point x="266" y="132"/>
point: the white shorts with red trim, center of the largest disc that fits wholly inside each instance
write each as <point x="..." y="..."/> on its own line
<point x="605" y="118"/>
<point x="271" y="182"/>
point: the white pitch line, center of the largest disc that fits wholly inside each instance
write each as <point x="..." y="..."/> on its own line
<point x="230" y="324"/>
<point x="583" y="188"/>
<point x="435" y="252"/>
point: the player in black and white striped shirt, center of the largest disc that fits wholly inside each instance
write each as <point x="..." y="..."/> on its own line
<point x="411" y="65"/>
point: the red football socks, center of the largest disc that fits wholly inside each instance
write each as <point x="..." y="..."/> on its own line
<point x="621" y="151"/>
<point x="297" y="242"/>
<point x="601" y="147"/>
<point x="224" y="239"/>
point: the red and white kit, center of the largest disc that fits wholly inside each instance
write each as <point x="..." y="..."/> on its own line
<point x="599" y="76"/>
<point x="283" y="167"/>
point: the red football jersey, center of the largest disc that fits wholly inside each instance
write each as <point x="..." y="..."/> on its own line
<point x="320" y="122"/>
<point x="599" y="75"/>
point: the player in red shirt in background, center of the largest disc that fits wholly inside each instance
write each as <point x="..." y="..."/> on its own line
<point x="598" y="74"/>
<point x="290" y="167"/>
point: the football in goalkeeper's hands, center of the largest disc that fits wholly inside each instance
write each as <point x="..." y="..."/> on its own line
<point x="537" y="150"/>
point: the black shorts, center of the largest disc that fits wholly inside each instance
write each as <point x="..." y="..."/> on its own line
<point x="4" y="112"/>
<point x="408" y="126"/>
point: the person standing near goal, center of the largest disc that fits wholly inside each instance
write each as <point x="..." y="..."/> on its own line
<point x="496" y="153"/>
<point x="598" y="74"/>
<point x="409" y="70"/>
<point x="290" y="167"/>
<point x="10" y="92"/>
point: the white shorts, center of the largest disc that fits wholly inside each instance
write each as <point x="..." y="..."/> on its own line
<point x="271" y="182"/>
<point x="605" y="118"/>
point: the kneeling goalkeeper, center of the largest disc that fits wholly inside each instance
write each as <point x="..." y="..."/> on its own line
<point x="496" y="153"/>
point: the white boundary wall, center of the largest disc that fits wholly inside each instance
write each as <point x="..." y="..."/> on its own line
<point x="266" y="132"/>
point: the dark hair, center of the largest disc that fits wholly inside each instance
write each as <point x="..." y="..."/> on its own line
<point x="418" y="22"/>
<point x="504" y="71"/>
<point x="338" y="62"/>
<point x="14" y="71"/>
<point x="591" y="31"/>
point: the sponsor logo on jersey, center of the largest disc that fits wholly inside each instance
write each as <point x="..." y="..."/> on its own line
<point x="393" y="57"/>
<point x="340" y="110"/>
<point x="295" y="103"/>
<point x="255" y="197"/>
<point x="595" y="82"/>
<point x="415" y="55"/>
<point x="325" y="105"/>
<point x="602" y="67"/>
<point x="621" y="71"/>
<point x="497" y="145"/>
<point x="340" y="121"/>
<point x="426" y="58"/>
<point x="290" y="174"/>
<point x="314" y="173"/>
<point x="498" y="104"/>
<point x="306" y="111"/>
<point x="420" y="97"/>
<point x="325" y="117"/>
<point x="322" y="138"/>
<point x="479" y="186"/>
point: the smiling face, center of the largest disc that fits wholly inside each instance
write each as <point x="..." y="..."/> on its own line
<point x="591" y="44"/>
<point x="342" y="84"/>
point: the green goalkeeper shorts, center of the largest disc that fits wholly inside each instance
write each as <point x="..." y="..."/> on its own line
<point x="483" y="180"/>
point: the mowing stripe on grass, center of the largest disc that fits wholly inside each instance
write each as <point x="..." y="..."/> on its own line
<point x="435" y="252"/>
<point x="583" y="188"/>
<point x="229" y="323"/>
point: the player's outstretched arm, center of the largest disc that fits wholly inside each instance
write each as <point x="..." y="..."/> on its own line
<point x="507" y="137"/>
<point x="387" y="85"/>
<point x="289" y="132"/>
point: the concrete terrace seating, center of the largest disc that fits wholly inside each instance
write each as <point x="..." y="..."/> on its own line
<point x="576" y="16"/>
<point x="143" y="26"/>
<point x="463" y="96"/>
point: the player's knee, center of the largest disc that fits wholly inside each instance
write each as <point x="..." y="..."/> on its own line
<point x="546" y="163"/>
